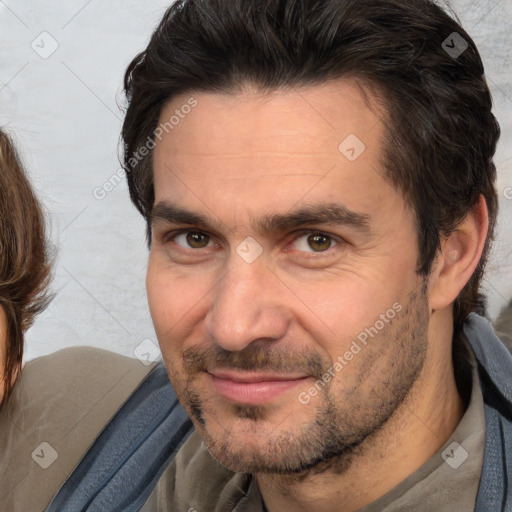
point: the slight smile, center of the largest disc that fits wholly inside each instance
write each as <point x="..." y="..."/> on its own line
<point x="252" y="388"/>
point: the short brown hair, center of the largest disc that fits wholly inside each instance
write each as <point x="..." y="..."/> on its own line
<point x="24" y="264"/>
<point x="440" y="132"/>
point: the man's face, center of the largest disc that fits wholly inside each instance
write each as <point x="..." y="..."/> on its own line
<point x="281" y="278"/>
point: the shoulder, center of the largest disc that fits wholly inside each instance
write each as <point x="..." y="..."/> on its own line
<point x="79" y="372"/>
<point x="493" y="357"/>
<point x="67" y="386"/>
<point x="495" y="370"/>
<point x="59" y="405"/>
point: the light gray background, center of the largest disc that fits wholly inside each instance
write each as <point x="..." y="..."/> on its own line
<point x="64" y="112"/>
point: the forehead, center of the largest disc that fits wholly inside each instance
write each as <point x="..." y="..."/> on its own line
<point x="271" y="151"/>
<point x="307" y="119"/>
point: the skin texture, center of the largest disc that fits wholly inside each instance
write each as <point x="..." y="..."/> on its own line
<point x="299" y="306"/>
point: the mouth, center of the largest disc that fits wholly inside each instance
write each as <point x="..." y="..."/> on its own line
<point x="253" y="388"/>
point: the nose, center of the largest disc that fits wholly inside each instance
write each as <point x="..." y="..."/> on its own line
<point x="247" y="306"/>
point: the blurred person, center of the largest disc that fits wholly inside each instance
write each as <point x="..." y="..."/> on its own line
<point x="55" y="407"/>
<point x="24" y="263"/>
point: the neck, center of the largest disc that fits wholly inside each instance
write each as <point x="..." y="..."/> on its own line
<point x="417" y="430"/>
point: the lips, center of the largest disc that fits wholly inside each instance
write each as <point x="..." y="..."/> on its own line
<point x="253" y="388"/>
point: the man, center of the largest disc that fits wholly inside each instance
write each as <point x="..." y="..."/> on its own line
<point x="319" y="193"/>
<point x="318" y="186"/>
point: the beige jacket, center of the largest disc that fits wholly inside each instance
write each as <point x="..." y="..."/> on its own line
<point x="59" y="405"/>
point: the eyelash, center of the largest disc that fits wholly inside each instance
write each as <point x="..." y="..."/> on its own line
<point x="171" y="236"/>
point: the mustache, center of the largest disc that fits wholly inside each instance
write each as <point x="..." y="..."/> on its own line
<point x="254" y="358"/>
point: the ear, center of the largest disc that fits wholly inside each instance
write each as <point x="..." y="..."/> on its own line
<point x="459" y="256"/>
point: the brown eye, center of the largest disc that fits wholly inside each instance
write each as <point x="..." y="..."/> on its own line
<point x="319" y="242"/>
<point x="191" y="240"/>
<point x="197" y="240"/>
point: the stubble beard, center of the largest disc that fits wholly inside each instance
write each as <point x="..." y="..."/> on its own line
<point x="331" y="440"/>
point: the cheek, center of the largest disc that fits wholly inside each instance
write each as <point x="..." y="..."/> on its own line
<point x="175" y="301"/>
<point x="165" y="302"/>
<point x="347" y="302"/>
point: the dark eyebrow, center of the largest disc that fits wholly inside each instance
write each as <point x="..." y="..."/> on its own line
<point x="170" y="213"/>
<point x="322" y="213"/>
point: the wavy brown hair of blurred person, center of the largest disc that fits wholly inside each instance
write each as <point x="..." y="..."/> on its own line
<point x="25" y="269"/>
